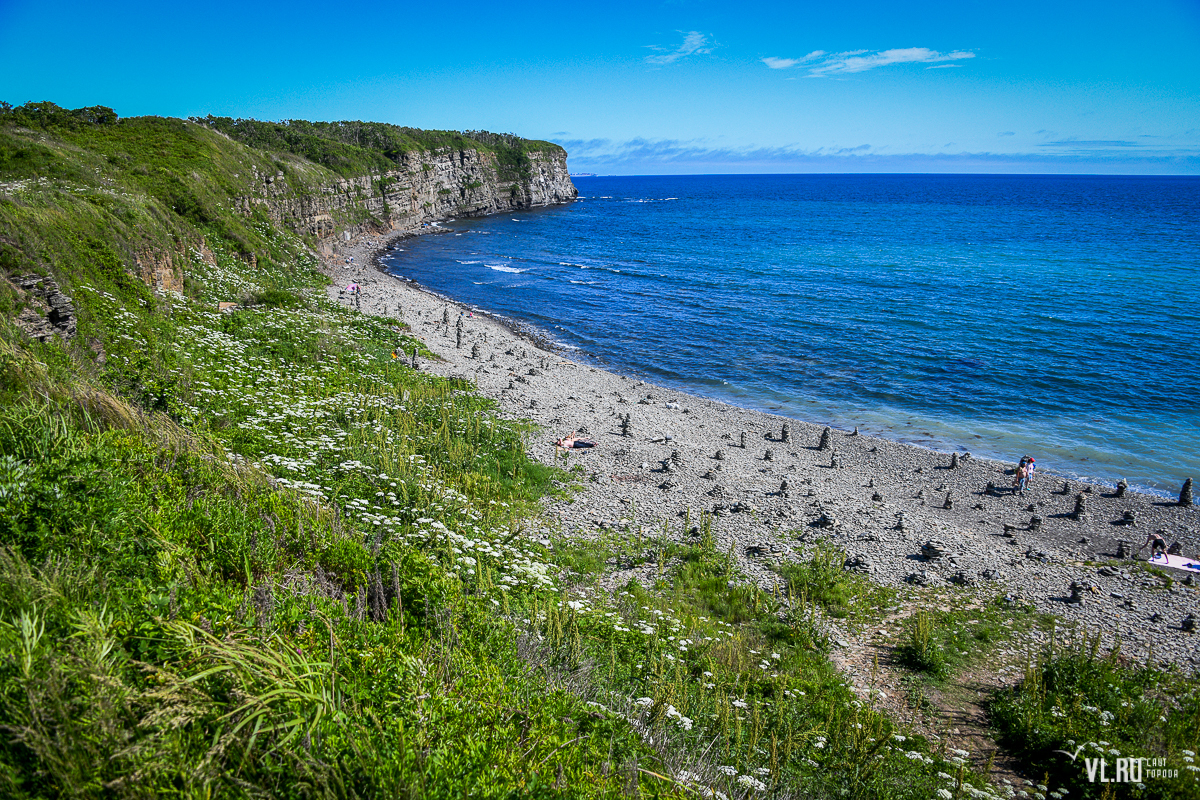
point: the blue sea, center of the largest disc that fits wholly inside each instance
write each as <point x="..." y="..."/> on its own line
<point x="1051" y="315"/>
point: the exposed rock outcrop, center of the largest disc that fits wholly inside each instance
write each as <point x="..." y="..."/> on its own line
<point x="48" y="312"/>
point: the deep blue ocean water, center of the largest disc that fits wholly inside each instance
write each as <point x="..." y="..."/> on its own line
<point x="1005" y="315"/>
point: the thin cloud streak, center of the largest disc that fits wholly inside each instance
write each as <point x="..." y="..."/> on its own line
<point x="855" y="61"/>
<point x="694" y="43"/>
<point x="661" y="156"/>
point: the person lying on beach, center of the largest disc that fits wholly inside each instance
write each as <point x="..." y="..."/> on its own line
<point x="1157" y="545"/>
<point x="574" y="441"/>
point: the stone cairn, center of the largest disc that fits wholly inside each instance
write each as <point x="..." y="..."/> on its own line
<point x="446" y="316"/>
<point x="990" y="491"/>
<point x="826" y="439"/>
<point x="1189" y="623"/>
<point x="933" y="550"/>
<point x="719" y="455"/>
<point x="783" y="488"/>
<point x="1122" y="488"/>
<point x="1078" y="591"/>
<point x="786" y="434"/>
<point x="742" y="438"/>
<point x="949" y="504"/>
<point x="1123" y="550"/>
<point x="1185" y="494"/>
<point x="1129" y="518"/>
<point x="475" y="350"/>
<point x="1035" y="524"/>
<point x="1066" y="488"/>
<point x="676" y="458"/>
<point x="900" y="524"/>
<point x="769" y="455"/>
<point x="835" y="460"/>
<point x="1080" y="512"/>
<point x="876" y="498"/>
<point x="626" y="425"/>
<point x="954" y="461"/>
<point x="458" y="330"/>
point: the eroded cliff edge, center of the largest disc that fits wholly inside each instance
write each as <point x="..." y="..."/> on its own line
<point x="394" y="178"/>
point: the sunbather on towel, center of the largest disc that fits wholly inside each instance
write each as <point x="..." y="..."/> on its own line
<point x="574" y="441"/>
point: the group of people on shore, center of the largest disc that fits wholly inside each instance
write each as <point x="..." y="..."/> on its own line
<point x="1027" y="466"/>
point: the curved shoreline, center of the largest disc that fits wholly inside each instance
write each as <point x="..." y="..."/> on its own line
<point x="772" y="507"/>
<point x="940" y="434"/>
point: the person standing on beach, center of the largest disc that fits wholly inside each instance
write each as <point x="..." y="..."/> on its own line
<point x="1021" y="478"/>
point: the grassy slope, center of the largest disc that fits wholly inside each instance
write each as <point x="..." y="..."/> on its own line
<point x="253" y="554"/>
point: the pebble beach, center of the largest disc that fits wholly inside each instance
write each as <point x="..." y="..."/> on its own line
<point x="922" y="521"/>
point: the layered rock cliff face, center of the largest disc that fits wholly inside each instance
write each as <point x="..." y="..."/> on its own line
<point x="424" y="187"/>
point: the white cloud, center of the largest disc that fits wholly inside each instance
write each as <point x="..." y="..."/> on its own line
<point x="786" y="63"/>
<point x="693" y="42"/>
<point x="862" y="60"/>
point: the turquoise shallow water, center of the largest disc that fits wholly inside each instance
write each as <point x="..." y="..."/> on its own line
<point x="1052" y="315"/>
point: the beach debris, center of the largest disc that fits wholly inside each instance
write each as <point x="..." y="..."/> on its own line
<point x="1189" y="623"/>
<point x="933" y="550"/>
<point x="949" y="504"/>
<point x="826" y="439"/>
<point x="1080" y="512"/>
<point x="1122" y="488"/>
<point x="743" y="440"/>
<point x="1035" y="524"/>
<point x="719" y="455"/>
<point x="769" y="455"/>
<point x="1185" y="493"/>
<point x="954" y="461"/>
<point x="785" y="435"/>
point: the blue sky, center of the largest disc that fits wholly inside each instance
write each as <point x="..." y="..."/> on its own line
<point x="661" y="87"/>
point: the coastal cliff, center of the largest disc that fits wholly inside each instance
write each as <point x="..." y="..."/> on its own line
<point x="393" y="178"/>
<point x="424" y="187"/>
